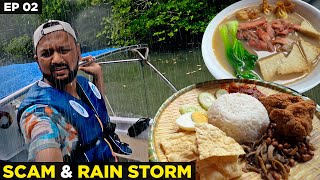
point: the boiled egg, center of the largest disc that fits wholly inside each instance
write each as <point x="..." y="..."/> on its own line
<point x="188" y="120"/>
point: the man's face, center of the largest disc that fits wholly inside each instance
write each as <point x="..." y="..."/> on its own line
<point x="58" y="56"/>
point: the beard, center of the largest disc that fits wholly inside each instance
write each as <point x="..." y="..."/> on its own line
<point x="60" y="83"/>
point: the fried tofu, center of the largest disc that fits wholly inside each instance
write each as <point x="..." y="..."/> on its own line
<point x="269" y="65"/>
<point x="310" y="51"/>
<point x="294" y="63"/>
<point x="308" y="30"/>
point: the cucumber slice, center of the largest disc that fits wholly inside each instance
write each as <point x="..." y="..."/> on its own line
<point x="221" y="92"/>
<point x="206" y="99"/>
<point x="190" y="108"/>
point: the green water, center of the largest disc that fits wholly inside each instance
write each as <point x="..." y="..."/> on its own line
<point x="137" y="91"/>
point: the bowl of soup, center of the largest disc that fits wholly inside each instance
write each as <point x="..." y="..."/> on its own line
<point x="283" y="35"/>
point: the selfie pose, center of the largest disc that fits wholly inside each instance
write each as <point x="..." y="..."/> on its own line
<point x="64" y="117"/>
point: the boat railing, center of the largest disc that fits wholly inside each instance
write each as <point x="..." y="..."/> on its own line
<point x="143" y="58"/>
<point x="139" y="143"/>
<point x="142" y="50"/>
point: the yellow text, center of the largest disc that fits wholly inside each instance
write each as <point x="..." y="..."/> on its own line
<point x="157" y="171"/>
<point x="22" y="171"/>
<point x="108" y="171"/>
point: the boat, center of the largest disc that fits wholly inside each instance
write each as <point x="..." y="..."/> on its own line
<point x="12" y="146"/>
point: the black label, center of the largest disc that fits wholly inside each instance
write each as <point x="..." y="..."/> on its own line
<point x="20" y="6"/>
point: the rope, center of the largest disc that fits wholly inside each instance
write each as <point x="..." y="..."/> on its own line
<point x="145" y="88"/>
<point x="105" y="97"/>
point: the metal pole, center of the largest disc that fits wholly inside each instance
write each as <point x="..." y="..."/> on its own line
<point x="16" y="94"/>
<point x="162" y="76"/>
<point x="118" y="50"/>
<point x="120" y="61"/>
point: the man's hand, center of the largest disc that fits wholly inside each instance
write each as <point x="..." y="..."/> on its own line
<point x="91" y="68"/>
<point x="95" y="70"/>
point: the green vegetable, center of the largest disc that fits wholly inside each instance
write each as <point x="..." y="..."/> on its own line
<point x="240" y="59"/>
<point x="190" y="108"/>
<point x="206" y="100"/>
<point x="221" y="92"/>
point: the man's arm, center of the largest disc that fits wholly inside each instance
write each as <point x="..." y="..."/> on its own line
<point x="49" y="155"/>
<point x="95" y="70"/>
<point x="44" y="136"/>
<point x="99" y="82"/>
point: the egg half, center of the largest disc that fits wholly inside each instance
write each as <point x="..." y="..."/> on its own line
<point x="187" y="121"/>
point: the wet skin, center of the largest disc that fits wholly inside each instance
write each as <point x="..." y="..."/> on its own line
<point x="58" y="55"/>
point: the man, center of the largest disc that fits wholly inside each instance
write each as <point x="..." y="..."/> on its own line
<point x="63" y="117"/>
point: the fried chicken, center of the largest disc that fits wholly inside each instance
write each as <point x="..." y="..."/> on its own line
<point x="292" y="114"/>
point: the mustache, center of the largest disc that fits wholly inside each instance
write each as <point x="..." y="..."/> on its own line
<point x="59" y="66"/>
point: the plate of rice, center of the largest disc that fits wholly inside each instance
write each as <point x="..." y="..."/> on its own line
<point x="247" y="122"/>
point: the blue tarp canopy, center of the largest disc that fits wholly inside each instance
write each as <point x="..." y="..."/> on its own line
<point x="16" y="76"/>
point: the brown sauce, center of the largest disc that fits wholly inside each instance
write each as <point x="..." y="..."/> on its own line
<point x="219" y="49"/>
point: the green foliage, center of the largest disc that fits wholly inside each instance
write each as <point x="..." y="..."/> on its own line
<point x="65" y="10"/>
<point x="19" y="47"/>
<point x="158" y="22"/>
<point x="55" y="9"/>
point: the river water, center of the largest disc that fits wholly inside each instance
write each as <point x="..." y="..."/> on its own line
<point x="133" y="90"/>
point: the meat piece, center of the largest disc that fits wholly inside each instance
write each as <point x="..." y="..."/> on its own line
<point x="241" y="35"/>
<point x="283" y="27"/>
<point x="279" y="101"/>
<point x="249" y="89"/>
<point x="251" y="34"/>
<point x="282" y="41"/>
<point x="277" y="24"/>
<point x="260" y="34"/>
<point x="270" y="30"/>
<point x="292" y="114"/>
<point x="270" y="46"/>
<point x="259" y="45"/>
<point x="263" y="35"/>
<point x="284" y="32"/>
<point x="246" y="35"/>
<point x="296" y="27"/>
<point x="252" y="24"/>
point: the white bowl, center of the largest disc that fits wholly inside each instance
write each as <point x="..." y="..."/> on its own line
<point x="306" y="10"/>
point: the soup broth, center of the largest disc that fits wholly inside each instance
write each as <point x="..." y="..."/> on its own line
<point x="219" y="48"/>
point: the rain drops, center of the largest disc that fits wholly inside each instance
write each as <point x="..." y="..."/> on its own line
<point x="199" y="68"/>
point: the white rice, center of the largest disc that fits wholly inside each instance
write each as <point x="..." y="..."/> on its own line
<point x="240" y="116"/>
